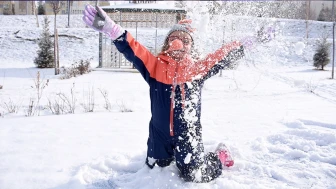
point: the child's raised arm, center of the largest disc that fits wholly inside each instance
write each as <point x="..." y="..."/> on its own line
<point x="222" y="58"/>
<point x="133" y="51"/>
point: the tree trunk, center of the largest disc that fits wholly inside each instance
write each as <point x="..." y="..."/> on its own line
<point x="68" y="13"/>
<point x="35" y="13"/>
<point x="57" y="64"/>
<point x="55" y="47"/>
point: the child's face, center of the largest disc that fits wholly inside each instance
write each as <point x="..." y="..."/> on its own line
<point x="187" y="43"/>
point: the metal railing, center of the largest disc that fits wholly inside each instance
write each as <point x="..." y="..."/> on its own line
<point x="112" y="58"/>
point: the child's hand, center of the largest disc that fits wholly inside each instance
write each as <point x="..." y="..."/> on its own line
<point x="263" y="36"/>
<point x="266" y="35"/>
<point x="248" y="42"/>
<point x="97" y="19"/>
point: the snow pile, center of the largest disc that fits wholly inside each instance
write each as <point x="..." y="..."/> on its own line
<point x="299" y="47"/>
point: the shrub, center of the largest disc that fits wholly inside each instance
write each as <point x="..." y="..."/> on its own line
<point x="321" y="57"/>
<point x="78" y="68"/>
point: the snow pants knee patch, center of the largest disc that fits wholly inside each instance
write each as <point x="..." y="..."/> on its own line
<point x="193" y="163"/>
<point x="160" y="162"/>
<point x="207" y="171"/>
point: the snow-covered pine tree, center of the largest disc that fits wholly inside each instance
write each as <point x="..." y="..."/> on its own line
<point x="325" y="14"/>
<point x="45" y="57"/>
<point x="40" y="9"/>
<point x="321" y="57"/>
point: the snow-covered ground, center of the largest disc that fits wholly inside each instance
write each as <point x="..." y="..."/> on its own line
<point x="275" y="112"/>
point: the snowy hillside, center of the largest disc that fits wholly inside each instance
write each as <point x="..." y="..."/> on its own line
<point x="19" y="41"/>
<point x="275" y="112"/>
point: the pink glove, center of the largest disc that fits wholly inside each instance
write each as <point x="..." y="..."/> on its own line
<point x="266" y="35"/>
<point x="248" y="42"/>
<point x="97" y="19"/>
<point x="263" y="36"/>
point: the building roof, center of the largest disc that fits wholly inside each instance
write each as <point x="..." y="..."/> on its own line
<point x="143" y="7"/>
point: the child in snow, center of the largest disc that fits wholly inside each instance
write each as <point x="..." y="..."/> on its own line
<point x="175" y="81"/>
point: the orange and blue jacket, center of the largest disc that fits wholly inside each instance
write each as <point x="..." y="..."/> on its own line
<point x="175" y="86"/>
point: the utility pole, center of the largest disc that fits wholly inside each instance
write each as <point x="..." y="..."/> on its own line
<point x="333" y="25"/>
<point x="307" y="17"/>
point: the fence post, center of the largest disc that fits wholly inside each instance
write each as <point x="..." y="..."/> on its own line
<point x="119" y="53"/>
<point x="58" y="70"/>
<point x="100" y="65"/>
<point x="156" y="33"/>
<point x="333" y="49"/>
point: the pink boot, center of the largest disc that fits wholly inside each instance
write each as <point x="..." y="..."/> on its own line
<point x="224" y="155"/>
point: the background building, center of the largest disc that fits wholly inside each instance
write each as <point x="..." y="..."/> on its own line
<point x="134" y="16"/>
<point x="24" y="7"/>
<point x="76" y="7"/>
<point x="6" y="8"/>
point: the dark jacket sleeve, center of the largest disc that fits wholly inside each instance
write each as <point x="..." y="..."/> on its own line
<point x="136" y="53"/>
<point x="220" y="59"/>
<point x="228" y="62"/>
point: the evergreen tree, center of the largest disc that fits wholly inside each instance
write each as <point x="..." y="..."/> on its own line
<point x="45" y="57"/>
<point x="321" y="16"/>
<point x="325" y="15"/>
<point x="40" y="9"/>
<point x="321" y="57"/>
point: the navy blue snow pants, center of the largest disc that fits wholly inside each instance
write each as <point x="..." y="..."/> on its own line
<point x="186" y="148"/>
